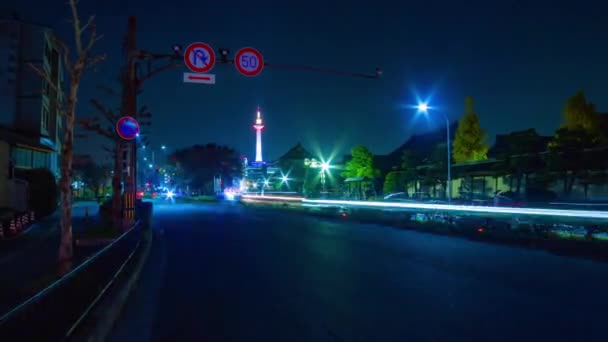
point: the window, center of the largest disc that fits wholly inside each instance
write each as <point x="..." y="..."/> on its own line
<point x="41" y="160"/>
<point x="47" y="51"/>
<point x="22" y="157"/>
<point x="45" y="119"/>
<point x="45" y="88"/>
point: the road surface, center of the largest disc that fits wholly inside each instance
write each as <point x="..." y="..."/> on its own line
<point x="230" y="273"/>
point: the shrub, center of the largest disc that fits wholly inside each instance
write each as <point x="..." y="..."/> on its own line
<point x="43" y="193"/>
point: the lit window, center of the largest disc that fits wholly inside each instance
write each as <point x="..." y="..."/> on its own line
<point x="45" y="119"/>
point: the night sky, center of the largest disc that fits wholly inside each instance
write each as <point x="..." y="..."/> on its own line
<point x="519" y="61"/>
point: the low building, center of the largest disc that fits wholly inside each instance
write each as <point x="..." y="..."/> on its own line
<point x="30" y="121"/>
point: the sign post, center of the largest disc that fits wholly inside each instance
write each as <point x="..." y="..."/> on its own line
<point x="249" y="61"/>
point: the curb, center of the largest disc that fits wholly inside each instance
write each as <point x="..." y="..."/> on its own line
<point x="25" y="232"/>
<point x="109" y="310"/>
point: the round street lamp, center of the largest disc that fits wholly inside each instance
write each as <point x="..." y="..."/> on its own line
<point x="423" y="108"/>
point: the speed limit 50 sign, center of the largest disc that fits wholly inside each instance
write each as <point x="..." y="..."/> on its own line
<point x="249" y="61"/>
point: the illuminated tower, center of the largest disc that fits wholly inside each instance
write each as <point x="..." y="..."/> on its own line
<point x="258" y="132"/>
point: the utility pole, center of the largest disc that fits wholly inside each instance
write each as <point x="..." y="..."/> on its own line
<point x="129" y="108"/>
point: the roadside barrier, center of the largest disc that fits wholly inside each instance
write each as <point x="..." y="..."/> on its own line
<point x="52" y="314"/>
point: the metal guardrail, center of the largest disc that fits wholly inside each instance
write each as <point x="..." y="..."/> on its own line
<point x="53" y="312"/>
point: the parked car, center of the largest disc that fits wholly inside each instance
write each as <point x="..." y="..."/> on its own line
<point x="508" y="199"/>
<point x="399" y="197"/>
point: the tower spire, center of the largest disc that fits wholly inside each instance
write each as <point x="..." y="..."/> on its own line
<point x="258" y="132"/>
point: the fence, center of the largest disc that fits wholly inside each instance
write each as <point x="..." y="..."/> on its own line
<point x="53" y="312"/>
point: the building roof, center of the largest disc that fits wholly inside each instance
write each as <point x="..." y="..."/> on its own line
<point x="421" y="144"/>
<point x="519" y="142"/>
<point x="297" y="152"/>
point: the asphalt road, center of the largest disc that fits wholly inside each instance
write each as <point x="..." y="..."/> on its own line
<point x="229" y="273"/>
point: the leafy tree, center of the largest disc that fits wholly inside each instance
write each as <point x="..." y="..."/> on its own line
<point x="567" y="155"/>
<point x="580" y="131"/>
<point x="469" y="141"/>
<point x="361" y="164"/>
<point x="578" y="113"/>
<point x="42" y="190"/>
<point x="519" y="157"/>
<point x="394" y="182"/>
<point x="436" y="174"/>
<point x="409" y="163"/>
<point x="94" y="176"/>
<point x="312" y="182"/>
<point x="200" y="163"/>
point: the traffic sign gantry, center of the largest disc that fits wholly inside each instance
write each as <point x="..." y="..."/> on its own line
<point x="249" y="61"/>
<point x="127" y="128"/>
<point x="199" y="57"/>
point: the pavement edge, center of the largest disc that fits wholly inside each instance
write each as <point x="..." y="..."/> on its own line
<point x="103" y="318"/>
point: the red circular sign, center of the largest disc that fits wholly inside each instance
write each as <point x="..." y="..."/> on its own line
<point x="249" y="61"/>
<point x="127" y="128"/>
<point x="199" y="57"/>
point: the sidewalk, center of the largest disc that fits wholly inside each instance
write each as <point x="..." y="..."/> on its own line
<point x="29" y="263"/>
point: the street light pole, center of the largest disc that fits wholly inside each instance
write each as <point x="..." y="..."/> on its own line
<point x="424" y="108"/>
<point x="449" y="182"/>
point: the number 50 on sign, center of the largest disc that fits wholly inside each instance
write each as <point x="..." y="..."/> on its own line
<point x="249" y="61"/>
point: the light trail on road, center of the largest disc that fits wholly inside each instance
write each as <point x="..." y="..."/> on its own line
<point x="491" y="210"/>
<point x="466" y="208"/>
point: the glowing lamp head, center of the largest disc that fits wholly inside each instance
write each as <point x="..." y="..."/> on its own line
<point x="324" y="166"/>
<point x="423" y="107"/>
<point x="266" y="183"/>
<point x="170" y="194"/>
<point x="284" y="179"/>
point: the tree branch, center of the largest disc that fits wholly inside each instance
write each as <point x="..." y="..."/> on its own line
<point x="95" y="127"/>
<point x="77" y="28"/>
<point x="90" y="22"/>
<point x="108" y="90"/>
<point x="43" y="75"/>
<point x="107" y="113"/>
<point x="157" y="71"/>
<point x="91" y="62"/>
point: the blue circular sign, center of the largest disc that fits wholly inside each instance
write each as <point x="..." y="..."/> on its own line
<point x="127" y="128"/>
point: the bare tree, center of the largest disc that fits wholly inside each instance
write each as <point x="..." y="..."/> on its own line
<point x="75" y="63"/>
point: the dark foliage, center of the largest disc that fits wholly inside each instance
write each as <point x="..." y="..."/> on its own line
<point x="43" y="192"/>
<point x="198" y="165"/>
